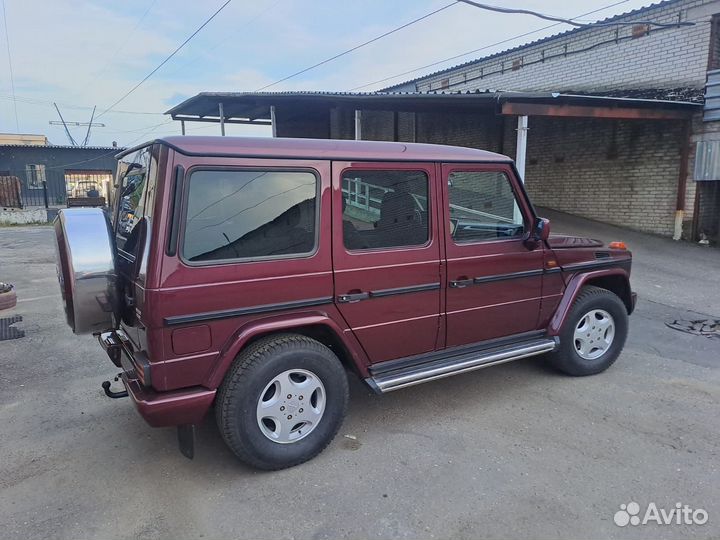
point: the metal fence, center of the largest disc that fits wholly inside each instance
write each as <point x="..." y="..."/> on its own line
<point x="37" y="186"/>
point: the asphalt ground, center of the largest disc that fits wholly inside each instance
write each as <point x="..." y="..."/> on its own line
<point x="512" y="451"/>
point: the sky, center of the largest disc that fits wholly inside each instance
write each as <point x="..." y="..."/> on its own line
<point x="82" y="53"/>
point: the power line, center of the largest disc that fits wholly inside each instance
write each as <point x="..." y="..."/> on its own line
<point x="357" y="46"/>
<point x="568" y="21"/>
<point x="124" y="42"/>
<point x="33" y="101"/>
<point x="203" y="25"/>
<point x="485" y="47"/>
<point x="12" y="77"/>
<point x="222" y="41"/>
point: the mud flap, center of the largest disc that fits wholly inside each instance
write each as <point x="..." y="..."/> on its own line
<point x="186" y="440"/>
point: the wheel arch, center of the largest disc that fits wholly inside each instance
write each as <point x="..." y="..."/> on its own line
<point x="615" y="280"/>
<point x="317" y="326"/>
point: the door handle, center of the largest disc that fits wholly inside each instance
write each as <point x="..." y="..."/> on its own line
<point x="353" y="297"/>
<point x="461" y="283"/>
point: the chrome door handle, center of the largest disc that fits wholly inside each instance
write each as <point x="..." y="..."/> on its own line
<point x="353" y="297"/>
<point x="461" y="283"/>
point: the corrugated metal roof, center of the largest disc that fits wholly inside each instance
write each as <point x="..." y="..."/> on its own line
<point x="63" y="147"/>
<point x="256" y="105"/>
<point x="632" y="13"/>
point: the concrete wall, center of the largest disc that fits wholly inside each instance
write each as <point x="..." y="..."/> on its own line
<point x="11" y="216"/>
<point x="595" y="59"/>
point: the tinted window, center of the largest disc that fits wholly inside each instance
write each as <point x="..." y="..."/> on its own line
<point x="136" y="178"/>
<point x="249" y="214"/>
<point x="384" y="209"/>
<point x="482" y="207"/>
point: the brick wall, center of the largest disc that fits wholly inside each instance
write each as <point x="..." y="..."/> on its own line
<point x="623" y="172"/>
<point x="596" y="59"/>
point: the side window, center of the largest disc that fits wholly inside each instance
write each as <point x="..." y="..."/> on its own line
<point x="383" y="209"/>
<point x="250" y="214"/>
<point x="482" y="207"/>
<point x="136" y="176"/>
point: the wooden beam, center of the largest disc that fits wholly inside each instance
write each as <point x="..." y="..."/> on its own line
<point x="628" y="113"/>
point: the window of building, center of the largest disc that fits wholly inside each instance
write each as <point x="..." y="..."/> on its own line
<point x="383" y="209"/>
<point x="250" y="214"/>
<point x="35" y="175"/>
<point x="445" y="83"/>
<point x="640" y="30"/>
<point x="483" y="207"/>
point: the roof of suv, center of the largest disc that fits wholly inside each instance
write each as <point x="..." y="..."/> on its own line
<point x="281" y="147"/>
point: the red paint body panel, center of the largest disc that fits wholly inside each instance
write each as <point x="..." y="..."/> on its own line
<point x="491" y="309"/>
<point x="574" y="285"/>
<point x="392" y="326"/>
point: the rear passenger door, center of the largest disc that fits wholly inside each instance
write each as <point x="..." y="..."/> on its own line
<point x="494" y="282"/>
<point x="386" y="256"/>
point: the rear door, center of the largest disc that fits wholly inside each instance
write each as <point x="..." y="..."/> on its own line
<point x="386" y="256"/>
<point x="494" y="282"/>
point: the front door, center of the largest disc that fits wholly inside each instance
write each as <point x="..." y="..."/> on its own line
<point x="386" y="256"/>
<point x="494" y="282"/>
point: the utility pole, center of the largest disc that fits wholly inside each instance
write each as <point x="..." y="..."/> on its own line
<point x="65" y="125"/>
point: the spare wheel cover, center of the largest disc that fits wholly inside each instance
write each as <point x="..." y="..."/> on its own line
<point x="87" y="269"/>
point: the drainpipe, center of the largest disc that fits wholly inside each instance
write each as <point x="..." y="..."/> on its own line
<point x="182" y="127"/>
<point x="682" y="179"/>
<point x="358" y="125"/>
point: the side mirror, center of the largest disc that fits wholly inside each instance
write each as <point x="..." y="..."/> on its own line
<point x="538" y="234"/>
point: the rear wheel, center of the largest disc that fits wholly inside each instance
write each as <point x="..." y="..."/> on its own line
<point x="593" y="335"/>
<point x="282" y="402"/>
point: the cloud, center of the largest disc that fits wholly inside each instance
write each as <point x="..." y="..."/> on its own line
<point x="83" y="53"/>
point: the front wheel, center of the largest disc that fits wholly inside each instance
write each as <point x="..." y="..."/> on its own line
<point x="593" y="335"/>
<point x="282" y="402"/>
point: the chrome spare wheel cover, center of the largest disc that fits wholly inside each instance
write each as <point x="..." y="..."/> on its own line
<point x="86" y="268"/>
<point x="291" y="406"/>
<point x="594" y="334"/>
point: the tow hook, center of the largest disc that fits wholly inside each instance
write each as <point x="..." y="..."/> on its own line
<point x="109" y="393"/>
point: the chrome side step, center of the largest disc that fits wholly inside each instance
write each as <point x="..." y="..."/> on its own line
<point x="459" y="363"/>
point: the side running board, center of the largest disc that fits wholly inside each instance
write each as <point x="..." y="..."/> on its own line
<point x="387" y="381"/>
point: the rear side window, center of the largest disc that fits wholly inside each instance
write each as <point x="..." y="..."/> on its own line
<point x="384" y="209"/>
<point x="250" y="214"/>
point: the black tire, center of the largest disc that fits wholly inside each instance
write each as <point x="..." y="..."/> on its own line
<point x="251" y="372"/>
<point x="566" y="358"/>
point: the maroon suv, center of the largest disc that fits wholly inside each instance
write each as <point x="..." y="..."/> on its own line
<point x="253" y="274"/>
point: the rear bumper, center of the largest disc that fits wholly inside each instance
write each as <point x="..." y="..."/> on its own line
<point x="175" y="408"/>
<point x="159" y="409"/>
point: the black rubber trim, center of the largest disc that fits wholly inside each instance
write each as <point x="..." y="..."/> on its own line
<point x="552" y="270"/>
<point x="175" y="210"/>
<point x="419" y="359"/>
<point x="252" y="310"/>
<point x="404" y="290"/>
<point x="593" y="265"/>
<point x="503" y="277"/>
